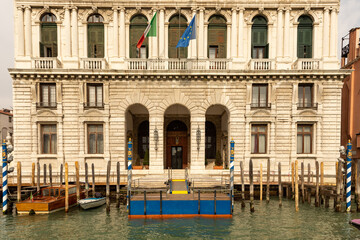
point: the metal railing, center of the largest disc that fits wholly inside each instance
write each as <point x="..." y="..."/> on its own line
<point x="302" y="105"/>
<point x="93" y="105"/>
<point x="260" y="105"/>
<point x="46" y="104"/>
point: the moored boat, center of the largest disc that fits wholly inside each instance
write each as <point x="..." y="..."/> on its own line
<point x="91" y="202"/>
<point x="356" y="223"/>
<point x="48" y="200"/>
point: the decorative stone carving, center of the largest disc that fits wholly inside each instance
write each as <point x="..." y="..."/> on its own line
<point x="94" y="9"/>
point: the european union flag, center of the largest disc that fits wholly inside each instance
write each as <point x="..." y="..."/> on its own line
<point x="190" y="33"/>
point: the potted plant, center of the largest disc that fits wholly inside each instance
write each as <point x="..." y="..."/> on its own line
<point x="218" y="161"/>
<point x="136" y="164"/>
<point x="146" y="159"/>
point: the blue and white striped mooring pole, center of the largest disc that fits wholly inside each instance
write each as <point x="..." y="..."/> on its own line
<point x="348" y="176"/>
<point x="232" y="144"/>
<point x="4" y="178"/>
<point x="129" y="173"/>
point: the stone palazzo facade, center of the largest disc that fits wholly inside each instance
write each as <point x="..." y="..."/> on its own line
<point x="264" y="74"/>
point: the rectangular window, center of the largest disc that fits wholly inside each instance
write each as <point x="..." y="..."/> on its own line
<point x="95" y="95"/>
<point x="95" y="139"/>
<point x="47" y="95"/>
<point x="10" y="119"/>
<point x="259" y="96"/>
<point x="213" y="52"/>
<point x="305" y="96"/>
<point x="304" y="139"/>
<point x="48" y="139"/>
<point x="142" y="52"/>
<point x="258" y="138"/>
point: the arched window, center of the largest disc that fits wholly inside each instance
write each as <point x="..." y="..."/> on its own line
<point x="138" y="23"/>
<point x="143" y="138"/>
<point x="177" y="26"/>
<point x="305" y="32"/>
<point x="176" y="126"/>
<point x="259" y="38"/>
<point x="48" y="35"/>
<point x="210" y="140"/>
<point x="217" y="37"/>
<point x="95" y="36"/>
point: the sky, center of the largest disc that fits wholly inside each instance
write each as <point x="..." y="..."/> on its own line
<point x="349" y="17"/>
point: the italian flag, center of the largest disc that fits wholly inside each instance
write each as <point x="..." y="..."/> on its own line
<point x="150" y="31"/>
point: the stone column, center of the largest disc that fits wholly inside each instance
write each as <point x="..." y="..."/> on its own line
<point x="127" y="40"/>
<point x="206" y="24"/>
<point x="74" y="32"/>
<point x="326" y="33"/>
<point x="333" y="35"/>
<point x="20" y="32"/>
<point x="28" y="37"/>
<point x="287" y="33"/>
<point x="201" y="32"/>
<point x="67" y="32"/>
<point x="161" y="33"/>
<point x="233" y="48"/>
<point x="197" y="156"/>
<point x="122" y="33"/>
<point x="241" y="33"/>
<point x="193" y="42"/>
<point x="228" y="40"/>
<point x="279" y="44"/>
<point x="115" y="32"/>
<point x="156" y="149"/>
<point x="167" y="40"/>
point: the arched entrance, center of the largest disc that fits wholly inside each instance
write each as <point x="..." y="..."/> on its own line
<point x="177" y="143"/>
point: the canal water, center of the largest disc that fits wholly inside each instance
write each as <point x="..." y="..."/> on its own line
<point x="267" y="222"/>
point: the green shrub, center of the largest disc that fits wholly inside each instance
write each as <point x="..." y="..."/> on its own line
<point x="218" y="160"/>
<point x="146" y="158"/>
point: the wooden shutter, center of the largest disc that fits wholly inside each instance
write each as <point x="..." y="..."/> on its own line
<point x="217" y="37"/>
<point x="95" y="40"/>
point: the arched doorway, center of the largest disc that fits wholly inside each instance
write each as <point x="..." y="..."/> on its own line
<point x="137" y="128"/>
<point x="216" y="135"/>
<point x="177" y="143"/>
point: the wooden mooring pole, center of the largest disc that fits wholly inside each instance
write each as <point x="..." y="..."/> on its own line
<point x="61" y="174"/>
<point x="18" y="181"/>
<point x="251" y="176"/>
<point x="268" y="182"/>
<point x="338" y="188"/>
<point x="50" y="175"/>
<point x="296" y="187"/>
<point x="261" y="182"/>
<point x="86" y="180"/>
<point x="292" y="180"/>
<point x="45" y="174"/>
<point x="242" y="185"/>
<point x="280" y="187"/>
<point x="77" y="181"/>
<point x="317" y="202"/>
<point x="38" y="177"/>
<point x="308" y="181"/>
<point x="108" y="187"/>
<point x="93" y="179"/>
<point x="66" y="188"/>
<point x="118" y="185"/>
<point x="302" y="183"/>
<point x="33" y="174"/>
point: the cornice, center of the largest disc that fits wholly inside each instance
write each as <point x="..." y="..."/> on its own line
<point x="109" y="75"/>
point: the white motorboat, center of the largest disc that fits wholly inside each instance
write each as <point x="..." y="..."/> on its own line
<point x="91" y="202"/>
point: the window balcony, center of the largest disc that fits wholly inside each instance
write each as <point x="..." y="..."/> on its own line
<point x="306" y="64"/>
<point x="261" y="64"/>
<point x="45" y="63"/>
<point x="177" y="64"/>
<point x="93" y="63"/>
<point x="98" y="105"/>
<point x="46" y="105"/>
<point x="302" y="106"/>
<point x="260" y="105"/>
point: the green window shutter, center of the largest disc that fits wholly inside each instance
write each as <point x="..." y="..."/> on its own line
<point x="48" y="40"/>
<point x="95" y="40"/>
<point x="42" y="54"/>
<point x="266" y="52"/>
<point x="304" y="42"/>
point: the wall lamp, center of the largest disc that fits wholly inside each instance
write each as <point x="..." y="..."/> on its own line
<point x="156" y="138"/>
<point x="198" y="137"/>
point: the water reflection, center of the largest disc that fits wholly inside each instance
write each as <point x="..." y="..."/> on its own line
<point x="268" y="221"/>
